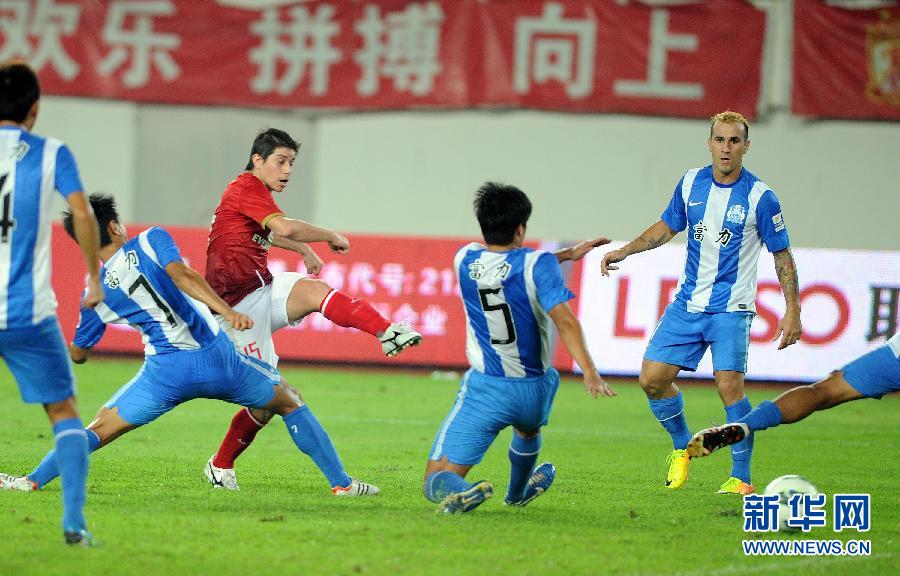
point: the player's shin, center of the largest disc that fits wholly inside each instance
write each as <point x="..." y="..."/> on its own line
<point x="523" y="453"/>
<point x="72" y="462"/>
<point x="312" y="440"/>
<point x="765" y="415"/>
<point x="742" y="451"/>
<point x="48" y="469"/>
<point x="670" y="414"/>
<point x="240" y="435"/>
<point x="353" y="313"/>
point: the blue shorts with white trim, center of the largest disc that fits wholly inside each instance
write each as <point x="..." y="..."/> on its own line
<point x="485" y="405"/>
<point x="874" y="374"/>
<point x="682" y="337"/>
<point x="216" y="371"/>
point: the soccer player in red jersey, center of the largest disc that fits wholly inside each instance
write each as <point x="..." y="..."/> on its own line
<point x="246" y="223"/>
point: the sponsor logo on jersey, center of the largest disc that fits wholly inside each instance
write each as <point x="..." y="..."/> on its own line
<point x="778" y="221"/>
<point x="264" y="242"/>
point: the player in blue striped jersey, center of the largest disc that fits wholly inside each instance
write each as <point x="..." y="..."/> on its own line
<point x="729" y="214"/>
<point x="187" y="354"/>
<point x="511" y="295"/>
<point x="31" y="343"/>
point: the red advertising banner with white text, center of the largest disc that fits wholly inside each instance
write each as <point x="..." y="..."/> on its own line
<point x="846" y="61"/>
<point x="571" y="55"/>
<point x="850" y="302"/>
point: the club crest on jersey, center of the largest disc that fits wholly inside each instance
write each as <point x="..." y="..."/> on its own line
<point x="736" y="214"/>
<point x="111" y="279"/>
<point x="476" y="269"/>
<point x="20" y="150"/>
<point x="131" y="258"/>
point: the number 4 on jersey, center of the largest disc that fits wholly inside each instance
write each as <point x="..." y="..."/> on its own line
<point x="7" y="223"/>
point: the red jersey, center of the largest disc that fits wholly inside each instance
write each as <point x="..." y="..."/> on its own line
<point x="238" y="249"/>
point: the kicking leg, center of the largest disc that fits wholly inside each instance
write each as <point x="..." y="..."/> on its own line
<point x="310" y="295"/>
<point x="445" y="484"/>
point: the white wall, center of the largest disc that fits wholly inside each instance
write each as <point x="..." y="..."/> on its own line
<point x="415" y="173"/>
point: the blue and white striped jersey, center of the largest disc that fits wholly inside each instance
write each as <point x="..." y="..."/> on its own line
<point x="507" y="296"/>
<point x="140" y="292"/>
<point x="726" y="227"/>
<point x="31" y="168"/>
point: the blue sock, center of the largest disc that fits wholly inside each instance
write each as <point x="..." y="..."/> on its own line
<point x="439" y="484"/>
<point x="72" y="460"/>
<point x="743" y="450"/>
<point x="313" y="440"/>
<point x="670" y="413"/>
<point x="47" y="470"/>
<point x="765" y="415"/>
<point x="523" y="453"/>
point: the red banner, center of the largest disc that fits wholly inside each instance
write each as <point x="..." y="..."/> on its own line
<point x="588" y="56"/>
<point x="846" y="61"/>
<point x="407" y="279"/>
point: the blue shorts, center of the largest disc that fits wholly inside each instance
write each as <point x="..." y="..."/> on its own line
<point x="39" y="361"/>
<point x="681" y="338"/>
<point x="485" y="405"/>
<point x="874" y="374"/>
<point x="216" y="371"/>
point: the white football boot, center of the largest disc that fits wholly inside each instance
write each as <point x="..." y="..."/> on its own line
<point x="220" y="477"/>
<point x="397" y="338"/>
<point x="356" y="488"/>
<point x="19" y="483"/>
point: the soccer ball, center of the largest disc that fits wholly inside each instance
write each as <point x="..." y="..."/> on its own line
<point x="785" y="487"/>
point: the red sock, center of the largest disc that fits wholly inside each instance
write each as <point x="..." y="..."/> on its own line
<point x="353" y="313"/>
<point x="240" y="434"/>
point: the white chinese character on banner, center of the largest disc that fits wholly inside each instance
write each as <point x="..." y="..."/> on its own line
<point x="391" y="278"/>
<point x="361" y="279"/>
<point x="48" y="23"/>
<point x="433" y="321"/>
<point x="307" y="45"/>
<point x="661" y="42"/>
<point x="410" y="55"/>
<point x="563" y="51"/>
<point x="145" y="45"/>
<point x="333" y="274"/>
<point x="405" y="314"/>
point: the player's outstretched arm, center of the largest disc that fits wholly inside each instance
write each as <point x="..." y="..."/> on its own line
<point x="195" y="286"/>
<point x="300" y="231"/>
<point x="87" y="233"/>
<point x="789" y="327"/>
<point x="578" y="251"/>
<point x="310" y="259"/>
<point x="570" y="332"/>
<point x="653" y="237"/>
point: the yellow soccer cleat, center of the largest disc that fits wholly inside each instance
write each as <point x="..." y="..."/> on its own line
<point x="736" y="486"/>
<point x="678" y="468"/>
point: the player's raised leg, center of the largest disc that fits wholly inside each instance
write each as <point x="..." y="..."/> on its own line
<point x="667" y="405"/>
<point x="791" y="406"/>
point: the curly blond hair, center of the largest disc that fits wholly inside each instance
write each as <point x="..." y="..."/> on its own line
<point x="730" y="117"/>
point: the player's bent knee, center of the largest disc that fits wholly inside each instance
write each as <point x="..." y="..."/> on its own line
<point x="261" y="415"/>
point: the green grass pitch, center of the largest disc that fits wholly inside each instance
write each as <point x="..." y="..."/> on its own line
<point x="607" y="513"/>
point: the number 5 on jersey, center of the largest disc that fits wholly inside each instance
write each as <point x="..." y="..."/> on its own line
<point x="501" y="307"/>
